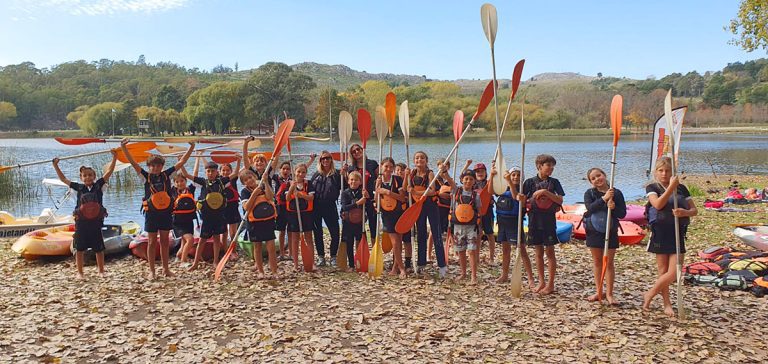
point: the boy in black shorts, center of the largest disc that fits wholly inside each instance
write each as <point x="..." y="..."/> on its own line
<point x="211" y="203"/>
<point x="545" y="196"/>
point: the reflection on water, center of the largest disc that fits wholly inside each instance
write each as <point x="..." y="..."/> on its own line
<point x="700" y="154"/>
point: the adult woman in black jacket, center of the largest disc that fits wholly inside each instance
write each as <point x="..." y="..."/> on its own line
<point x="327" y="185"/>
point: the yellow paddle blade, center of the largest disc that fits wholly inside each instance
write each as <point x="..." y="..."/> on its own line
<point x="341" y="257"/>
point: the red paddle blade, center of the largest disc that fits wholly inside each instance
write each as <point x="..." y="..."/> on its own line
<point x="362" y="255"/>
<point x="223" y="156"/>
<point x="138" y="150"/>
<point x="337" y="156"/>
<point x="390" y="105"/>
<point x="409" y="217"/>
<point x="516" y="75"/>
<point x="485" y="201"/>
<point x="485" y="99"/>
<point x="616" y="104"/>
<point x="306" y="254"/>
<point x="602" y="279"/>
<point x="79" y="141"/>
<point x="364" y="125"/>
<point x="281" y="138"/>
<point x="458" y="124"/>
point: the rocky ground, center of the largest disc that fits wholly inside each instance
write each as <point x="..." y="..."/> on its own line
<point x="342" y="317"/>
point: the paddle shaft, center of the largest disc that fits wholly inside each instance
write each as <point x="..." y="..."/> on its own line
<point x="517" y="279"/>
<point x="228" y="253"/>
<point x="21" y="165"/>
<point x="608" y="218"/>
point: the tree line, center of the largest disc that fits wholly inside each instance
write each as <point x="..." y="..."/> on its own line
<point x="102" y="95"/>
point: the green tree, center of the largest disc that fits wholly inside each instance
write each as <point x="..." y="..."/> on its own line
<point x="751" y="25"/>
<point x="169" y="97"/>
<point x="275" y="88"/>
<point x="321" y="122"/>
<point x="97" y="119"/>
<point x="217" y="107"/>
<point x="7" y="114"/>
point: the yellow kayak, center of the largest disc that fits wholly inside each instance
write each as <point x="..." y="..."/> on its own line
<point x="57" y="241"/>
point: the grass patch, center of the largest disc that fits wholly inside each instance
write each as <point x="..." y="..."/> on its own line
<point x="696" y="191"/>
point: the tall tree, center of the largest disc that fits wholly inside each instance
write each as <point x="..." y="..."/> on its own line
<point x="7" y="113"/>
<point x="275" y="88"/>
<point x="169" y="97"/>
<point x="751" y="25"/>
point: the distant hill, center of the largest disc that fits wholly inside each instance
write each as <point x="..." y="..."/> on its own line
<point x="343" y="77"/>
<point x="560" y="76"/>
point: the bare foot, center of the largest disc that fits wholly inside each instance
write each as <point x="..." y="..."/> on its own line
<point x="646" y="302"/>
<point x="103" y="275"/>
<point x="392" y="273"/>
<point x="547" y="290"/>
<point x="216" y="263"/>
<point x="350" y="270"/>
<point x="669" y="311"/>
<point x="539" y="288"/>
<point x="192" y="267"/>
<point x="151" y="276"/>
<point x="460" y="278"/>
<point x="80" y="277"/>
<point x="611" y="300"/>
<point x="502" y="279"/>
<point x="473" y="281"/>
<point x="168" y="273"/>
<point x="592" y="298"/>
<point x="532" y="286"/>
<point x="403" y="275"/>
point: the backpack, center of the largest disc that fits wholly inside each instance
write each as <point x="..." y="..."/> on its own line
<point x="702" y="268"/>
<point x="702" y="280"/>
<point x="506" y="205"/>
<point x="90" y="208"/>
<point x="712" y="253"/>
<point x="748" y="275"/>
<point x="748" y="264"/>
<point x="184" y="204"/>
<point x="732" y="282"/>
<point x="760" y="287"/>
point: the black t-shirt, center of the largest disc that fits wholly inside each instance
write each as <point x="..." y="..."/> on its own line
<point x="550" y="184"/>
<point x="370" y="177"/>
<point x="158" y="182"/>
<point x="665" y="215"/>
<point x="278" y="182"/>
<point x="217" y="185"/>
<point x="82" y="189"/>
<point x="230" y="193"/>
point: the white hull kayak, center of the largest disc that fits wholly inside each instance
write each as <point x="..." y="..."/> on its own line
<point x="11" y="226"/>
<point x="754" y="236"/>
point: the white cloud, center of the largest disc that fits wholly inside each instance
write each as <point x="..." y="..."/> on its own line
<point x="100" y="7"/>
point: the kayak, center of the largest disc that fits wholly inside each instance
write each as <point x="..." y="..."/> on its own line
<point x="629" y="234"/>
<point x="207" y="252"/>
<point x="564" y="230"/>
<point x="116" y="238"/>
<point x="247" y="247"/>
<point x="636" y="214"/>
<point x="57" y="241"/>
<point x="139" y="243"/>
<point x="51" y="242"/>
<point x="11" y="226"/>
<point x="754" y="236"/>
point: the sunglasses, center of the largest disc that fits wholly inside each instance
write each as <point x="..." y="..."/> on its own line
<point x="357" y="150"/>
<point x="325" y="158"/>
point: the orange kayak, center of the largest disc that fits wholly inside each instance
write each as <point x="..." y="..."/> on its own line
<point x="629" y="234"/>
<point x="54" y="241"/>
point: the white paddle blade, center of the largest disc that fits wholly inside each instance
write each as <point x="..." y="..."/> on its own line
<point x="381" y="123"/>
<point x="405" y="121"/>
<point x="345" y="118"/>
<point x="119" y="166"/>
<point x="490" y="23"/>
<point x="499" y="185"/>
<point x="668" y="113"/>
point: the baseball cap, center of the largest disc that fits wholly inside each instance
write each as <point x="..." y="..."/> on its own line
<point x="480" y="166"/>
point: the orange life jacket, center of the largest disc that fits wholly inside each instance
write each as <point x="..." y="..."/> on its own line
<point x="465" y="212"/>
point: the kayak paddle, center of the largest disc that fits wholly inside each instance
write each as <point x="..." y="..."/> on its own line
<point x="376" y="266"/>
<point x="679" y="266"/>
<point x="405" y="127"/>
<point x="411" y="214"/>
<point x="616" y="116"/>
<point x="281" y="139"/>
<point x="364" y="129"/>
<point x="499" y="185"/>
<point x="390" y="105"/>
<point x="517" y="273"/>
<point x="138" y="150"/>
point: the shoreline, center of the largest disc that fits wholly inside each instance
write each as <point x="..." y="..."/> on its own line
<point x="476" y="133"/>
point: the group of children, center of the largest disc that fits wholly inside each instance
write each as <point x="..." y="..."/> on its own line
<point x="452" y="211"/>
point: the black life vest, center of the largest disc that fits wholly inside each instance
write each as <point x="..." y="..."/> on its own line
<point x="185" y="203"/>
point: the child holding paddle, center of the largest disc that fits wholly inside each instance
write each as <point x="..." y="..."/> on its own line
<point x="212" y="204"/>
<point x="157" y="204"/>
<point x="231" y="211"/>
<point x="301" y="232"/>
<point x="184" y="213"/>
<point x="282" y="181"/>
<point x="507" y="210"/>
<point x="89" y="213"/>
<point x="598" y="200"/>
<point x="443" y="187"/>
<point x="545" y="196"/>
<point x="487" y="219"/>
<point x="260" y="212"/>
<point x="661" y="218"/>
<point x="465" y="217"/>
<point x="400" y="170"/>
<point x="419" y="180"/>
<point x="371" y="169"/>
<point x="390" y="188"/>
<point x="353" y="200"/>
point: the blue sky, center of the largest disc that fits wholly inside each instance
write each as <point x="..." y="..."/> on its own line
<point x="439" y="39"/>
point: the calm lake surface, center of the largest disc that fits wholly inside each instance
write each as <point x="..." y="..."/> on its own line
<point x="728" y="154"/>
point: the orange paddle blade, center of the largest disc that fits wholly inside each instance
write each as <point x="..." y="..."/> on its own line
<point x="616" y="105"/>
<point x="485" y="99"/>
<point x="307" y="255"/>
<point x="79" y="141"/>
<point x="139" y="151"/>
<point x="364" y="125"/>
<point x="409" y="217"/>
<point x="390" y="105"/>
<point x="485" y="201"/>
<point x="362" y="255"/>
<point x="516" y="75"/>
<point x="281" y="138"/>
<point x="458" y="124"/>
<point x="602" y="279"/>
<point x="386" y="243"/>
<point x="223" y="261"/>
<point x="267" y="155"/>
<point x="224" y="156"/>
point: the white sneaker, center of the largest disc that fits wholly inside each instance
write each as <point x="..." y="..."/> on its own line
<point x="443" y="272"/>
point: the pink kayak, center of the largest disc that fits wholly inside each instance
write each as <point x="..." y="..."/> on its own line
<point x="636" y="214"/>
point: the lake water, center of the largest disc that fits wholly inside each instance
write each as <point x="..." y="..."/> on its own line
<point x="728" y="154"/>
